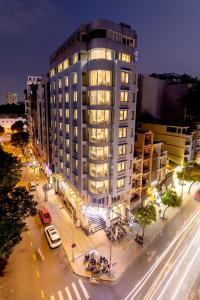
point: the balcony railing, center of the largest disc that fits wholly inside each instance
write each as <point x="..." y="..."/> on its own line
<point x="98" y="191"/>
<point x="98" y="157"/>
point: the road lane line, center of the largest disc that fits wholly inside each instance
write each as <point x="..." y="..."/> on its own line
<point x="42" y="294"/>
<point x="68" y="293"/>
<point x="39" y="253"/>
<point x="60" y="295"/>
<point x="38" y="274"/>
<point x="144" y="279"/>
<point x="31" y="244"/>
<point x="76" y="291"/>
<point x="83" y="289"/>
<point x="34" y="258"/>
<point x="52" y="297"/>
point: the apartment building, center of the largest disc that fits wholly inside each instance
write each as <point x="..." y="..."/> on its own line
<point x="11" y="98"/>
<point x="149" y="166"/>
<point x="93" y="102"/>
<point x="178" y="141"/>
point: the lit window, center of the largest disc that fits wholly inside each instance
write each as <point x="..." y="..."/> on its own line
<point x="122" y="150"/>
<point x="100" y="97"/>
<point x="75" y="114"/>
<point x="66" y="97"/>
<point x="74" y="78"/>
<point x="124" y="96"/>
<point x="60" y="68"/>
<point x="75" y="96"/>
<point x="67" y="143"/>
<point x="60" y="125"/>
<point x="125" y="57"/>
<point x="123" y="115"/>
<point x="67" y="128"/>
<point x="65" y="64"/>
<point x="67" y="113"/>
<point x="99" y="134"/>
<point x="75" y="147"/>
<point x="101" y="54"/>
<point x="52" y="72"/>
<point x="120" y="166"/>
<point x="98" y="187"/>
<point x="75" y="131"/>
<point x="66" y="81"/>
<point x="59" y="83"/>
<point x="68" y="157"/>
<point x="60" y="98"/>
<point x="99" y="116"/>
<point x="120" y="183"/>
<point x="100" y="77"/>
<point x="75" y="163"/>
<point x="122" y="132"/>
<point x="75" y="58"/>
<point x="98" y="170"/>
<point x="67" y="171"/>
<point x="124" y="77"/>
<point x="99" y="153"/>
<point x="60" y="112"/>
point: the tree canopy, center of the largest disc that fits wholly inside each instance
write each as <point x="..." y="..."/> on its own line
<point x="13" y="109"/>
<point x="190" y="172"/>
<point x="2" y="130"/>
<point x="20" y="140"/>
<point x="17" y="126"/>
<point x="146" y="216"/>
<point x="170" y="199"/>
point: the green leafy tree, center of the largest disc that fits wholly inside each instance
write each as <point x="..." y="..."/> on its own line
<point x="2" y="130"/>
<point x="191" y="173"/>
<point x="10" y="171"/>
<point x="145" y="216"/>
<point x="17" y="126"/>
<point x="171" y="199"/>
<point x="20" y="140"/>
<point x="15" y="207"/>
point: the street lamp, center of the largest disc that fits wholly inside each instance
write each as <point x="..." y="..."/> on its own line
<point x="111" y="237"/>
<point x="73" y="244"/>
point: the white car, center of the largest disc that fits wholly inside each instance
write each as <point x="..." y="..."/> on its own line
<point x="52" y="236"/>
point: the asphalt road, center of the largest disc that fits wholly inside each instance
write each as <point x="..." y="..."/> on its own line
<point x="31" y="277"/>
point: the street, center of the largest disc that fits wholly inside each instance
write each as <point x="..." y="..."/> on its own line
<point x="152" y="275"/>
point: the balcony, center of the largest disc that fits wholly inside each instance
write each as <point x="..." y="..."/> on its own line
<point x="136" y="185"/>
<point x="98" y="174"/>
<point x="187" y="153"/>
<point x="163" y="153"/>
<point x="137" y="171"/>
<point x="135" y="201"/>
<point x="145" y="170"/>
<point x="146" y="156"/>
<point x="187" y="143"/>
<point x="145" y="183"/>
<point x="98" y="191"/>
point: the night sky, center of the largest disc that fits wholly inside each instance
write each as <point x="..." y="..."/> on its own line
<point x="30" y="30"/>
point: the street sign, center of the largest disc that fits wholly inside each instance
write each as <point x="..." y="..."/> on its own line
<point x="73" y="245"/>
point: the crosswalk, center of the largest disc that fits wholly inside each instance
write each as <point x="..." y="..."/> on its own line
<point x="72" y="292"/>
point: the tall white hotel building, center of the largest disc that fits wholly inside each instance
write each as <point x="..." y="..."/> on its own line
<point x="93" y="79"/>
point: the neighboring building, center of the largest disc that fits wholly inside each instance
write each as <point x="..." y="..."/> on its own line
<point x="178" y="140"/>
<point x="11" y="98"/>
<point x="44" y="120"/>
<point x="8" y="122"/>
<point x="149" y="166"/>
<point x="31" y="106"/>
<point x="93" y="104"/>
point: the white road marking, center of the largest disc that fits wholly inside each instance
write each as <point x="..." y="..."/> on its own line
<point x="68" y="293"/>
<point x="60" y="295"/>
<point x="76" y="291"/>
<point x="39" y="253"/>
<point x="84" y="289"/>
<point x="52" y="297"/>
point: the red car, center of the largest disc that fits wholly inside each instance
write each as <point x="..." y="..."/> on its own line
<point x="44" y="215"/>
<point x="197" y="195"/>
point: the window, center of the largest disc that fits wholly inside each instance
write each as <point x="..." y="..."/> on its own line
<point x="65" y="64"/>
<point x="121" y="166"/>
<point x="98" y="187"/>
<point x="120" y="183"/>
<point x="74" y="78"/>
<point x="66" y="81"/>
<point x="67" y="113"/>
<point x="124" y="77"/>
<point x="123" y="115"/>
<point x="75" y="96"/>
<point x="100" y="77"/>
<point x="133" y="97"/>
<point x="122" y="150"/>
<point x="124" y="96"/>
<point x="100" y="97"/>
<point x="60" y="68"/>
<point x="99" y="116"/>
<point x="98" y="170"/>
<point x="60" y="126"/>
<point x="101" y="54"/>
<point x="75" y="131"/>
<point x="75" y="147"/>
<point x="98" y="153"/>
<point x="75" y="114"/>
<point x="67" y="143"/>
<point x="52" y="72"/>
<point x="75" y="58"/>
<point x="122" y="132"/>
<point x="67" y="171"/>
<point x="68" y="157"/>
<point x="124" y="57"/>
<point x="60" y="98"/>
<point x="60" y="112"/>
<point x="66" y="95"/>
<point x="67" y="128"/>
<point x="99" y="134"/>
<point x="76" y="164"/>
<point x="59" y="83"/>
<point x="171" y="129"/>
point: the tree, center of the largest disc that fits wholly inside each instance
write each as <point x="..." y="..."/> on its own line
<point x="10" y="171"/>
<point x="145" y="216"/>
<point x="17" y="126"/>
<point x="20" y="140"/>
<point x="2" y="130"/>
<point x="171" y="199"/>
<point x="15" y="207"/>
<point x="191" y="173"/>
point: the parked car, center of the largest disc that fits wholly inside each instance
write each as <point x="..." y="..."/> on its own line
<point x="32" y="186"/>
<point x="52" y="236"/>
<point x="44" y="215"/>
<point x="197" y="195"/>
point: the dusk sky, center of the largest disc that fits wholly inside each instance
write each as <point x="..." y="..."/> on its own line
<point x="168" y="34"/>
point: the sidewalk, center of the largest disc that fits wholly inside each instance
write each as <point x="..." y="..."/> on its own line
<point x="124" y="251"/>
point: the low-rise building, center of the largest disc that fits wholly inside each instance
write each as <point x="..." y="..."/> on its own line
<point x="8" y="122"/>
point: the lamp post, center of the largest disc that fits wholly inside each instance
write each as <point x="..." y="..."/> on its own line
<point x="73" y="244"/>
<point x="111" y="236"/>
